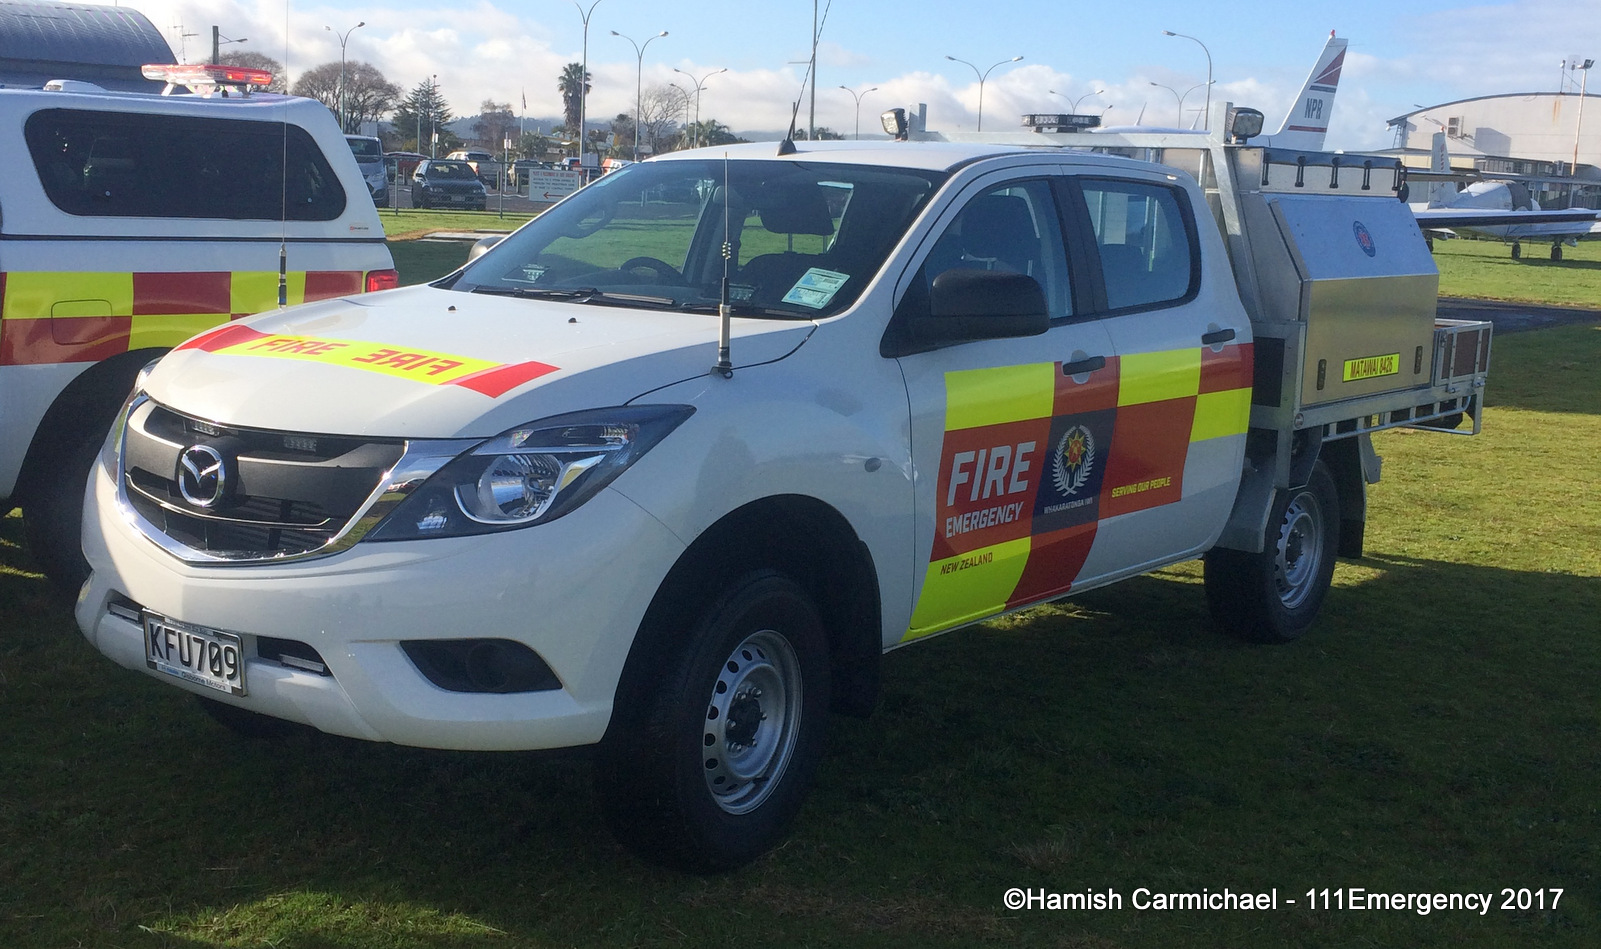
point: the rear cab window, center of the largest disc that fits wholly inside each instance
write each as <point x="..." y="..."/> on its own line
<point x="121" y="164"/>
<point x="1145" y="240"/>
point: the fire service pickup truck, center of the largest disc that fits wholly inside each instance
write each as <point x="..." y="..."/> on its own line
<point x="671" y="467"/>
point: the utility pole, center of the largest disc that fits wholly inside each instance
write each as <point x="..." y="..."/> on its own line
<point x="1579" y="126"/>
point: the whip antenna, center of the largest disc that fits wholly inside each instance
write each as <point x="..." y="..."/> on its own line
<point x="725" y="312"/>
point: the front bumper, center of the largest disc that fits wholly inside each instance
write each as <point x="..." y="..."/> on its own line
<point x="573" y="590"/>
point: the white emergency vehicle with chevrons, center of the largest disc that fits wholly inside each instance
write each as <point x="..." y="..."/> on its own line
<point x="133" y="221"/>
<point x="669" y="469"/>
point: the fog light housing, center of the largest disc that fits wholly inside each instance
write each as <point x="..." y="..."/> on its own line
<point x="480" y="665"/>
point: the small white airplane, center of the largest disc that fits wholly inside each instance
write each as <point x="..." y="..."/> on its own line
<point x="1306" y="123"/>
<point x="1497" y="209"/>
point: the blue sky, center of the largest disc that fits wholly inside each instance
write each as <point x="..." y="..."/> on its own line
<point x="1421" y="52"/>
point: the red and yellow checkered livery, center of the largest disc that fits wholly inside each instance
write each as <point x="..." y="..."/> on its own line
<point x="1034" y="461"/>
<point x="66" y="317"/>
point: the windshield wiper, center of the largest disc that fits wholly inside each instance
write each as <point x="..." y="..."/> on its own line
<point x="747" y="309"/>
<point x="579" y="295"/>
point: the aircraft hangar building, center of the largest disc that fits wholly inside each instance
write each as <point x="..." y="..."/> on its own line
<point x="1529" y="136"/>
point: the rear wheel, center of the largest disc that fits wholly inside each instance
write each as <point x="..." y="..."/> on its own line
<point x="707" y="764"/>
<point x="1274" y="596"/>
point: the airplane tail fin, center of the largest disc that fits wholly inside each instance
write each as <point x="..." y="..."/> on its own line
<point x="1307" y="122"/>
<point x="1440" y="193"/>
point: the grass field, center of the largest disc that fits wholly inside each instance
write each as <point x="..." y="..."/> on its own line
<point x="1437" y="733"/>
<point x="1486" y="270"/>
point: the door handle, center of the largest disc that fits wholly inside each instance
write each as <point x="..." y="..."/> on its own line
<point x="1089" y="364"/>
<point x="1216" y="336"/>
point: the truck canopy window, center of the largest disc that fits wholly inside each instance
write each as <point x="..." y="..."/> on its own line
<point x="123" y="164"/>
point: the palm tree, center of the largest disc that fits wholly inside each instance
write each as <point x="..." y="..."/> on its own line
<point x="573" y="84"/>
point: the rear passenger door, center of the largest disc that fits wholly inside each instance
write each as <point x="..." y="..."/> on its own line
<point x="1183" y="373"/>
<point x="1006" y="433"/>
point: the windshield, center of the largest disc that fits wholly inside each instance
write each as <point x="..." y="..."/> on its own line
<point x="450" y="169"/>
<point x="803" y="238"/>
<point x="366" y="149"/>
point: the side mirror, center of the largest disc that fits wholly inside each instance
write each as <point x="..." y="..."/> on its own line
<point x="966" y="306"/>
<point x="482" y="245"/>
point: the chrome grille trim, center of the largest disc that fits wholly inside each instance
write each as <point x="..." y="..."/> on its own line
<point x="418" y="461"/>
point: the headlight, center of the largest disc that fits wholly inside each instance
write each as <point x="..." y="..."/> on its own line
<point x="532" y="474"/>
<point x="111" y="451"/>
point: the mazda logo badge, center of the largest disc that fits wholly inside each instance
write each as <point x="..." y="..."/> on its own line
<point x="202" y="475"/>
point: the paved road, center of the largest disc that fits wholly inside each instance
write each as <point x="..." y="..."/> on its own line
<point x="1514" y="317"/>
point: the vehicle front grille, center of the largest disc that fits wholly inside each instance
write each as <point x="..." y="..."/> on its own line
<point x="281" y="494"/>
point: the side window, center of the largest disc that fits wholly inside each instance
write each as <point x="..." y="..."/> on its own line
<point x="122" y="164"/>
<point x="1013" y="228"/>
<point x="1146" y="243"/>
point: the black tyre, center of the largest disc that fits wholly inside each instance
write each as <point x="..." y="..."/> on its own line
<point x="52" y="517"/>
<point x="706" y="765"/>
<point x="1556" y="251"/>
<point x="1517" y="250"/>
<point x="1274" y="596"/>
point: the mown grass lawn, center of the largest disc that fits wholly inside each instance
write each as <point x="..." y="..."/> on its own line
<point x="1486" y="270"/>
<point x="1437" y="733"/>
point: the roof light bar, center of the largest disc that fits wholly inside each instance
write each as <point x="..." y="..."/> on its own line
<point x="204" y="78"/>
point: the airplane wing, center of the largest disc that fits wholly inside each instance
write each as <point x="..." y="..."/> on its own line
<point x="1489" y="217"/>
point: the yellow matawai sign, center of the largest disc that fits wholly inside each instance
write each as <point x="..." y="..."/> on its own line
<point x="1371" y="367"/>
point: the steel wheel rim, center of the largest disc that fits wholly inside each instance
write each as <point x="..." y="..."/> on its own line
<point x="751" y="722"/>
<point x="1299" y="552"/>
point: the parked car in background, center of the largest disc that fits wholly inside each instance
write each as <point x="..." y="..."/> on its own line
<point x="485" y="165"/>
<point x="369" y="154"/>
<point x="398" y="166"/>
<point x="447" y="183"/>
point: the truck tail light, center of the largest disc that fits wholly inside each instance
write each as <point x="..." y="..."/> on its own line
<point x="382" y="280"/>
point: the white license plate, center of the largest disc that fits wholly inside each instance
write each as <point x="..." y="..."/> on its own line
<point x="207" y="657"/>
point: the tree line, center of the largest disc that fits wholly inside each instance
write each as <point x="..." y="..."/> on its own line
<point x="665" y="120"/>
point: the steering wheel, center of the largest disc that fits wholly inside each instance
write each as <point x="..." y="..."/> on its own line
<point x="662" y="269"/>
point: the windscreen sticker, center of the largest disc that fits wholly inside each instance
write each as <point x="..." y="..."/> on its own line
<point x="481" y="375"/>
<point x="816" y="288"/>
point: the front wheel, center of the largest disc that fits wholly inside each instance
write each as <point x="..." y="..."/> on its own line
<point x="1273" y="596"/>
<point x="52" y="516"/>
<point x="707" y="763"/>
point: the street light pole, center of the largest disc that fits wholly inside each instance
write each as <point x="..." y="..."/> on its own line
<point x="858" y="96"/>
<point x="433" y="118"/>
<point x="1186" y="97"/>
<point x="1178" y="99"/>
<point x="217" y="42"/>
<point x="700" y="86"/>
<point x="982" y="76"/>
<point x="639" y="81"/>
<point x="1074" y="102"/>
<point x="1208" y="77"/>
<point x="1579" y="126"/>
<point x="583" y="84"/>
<point x="343" y="39"/>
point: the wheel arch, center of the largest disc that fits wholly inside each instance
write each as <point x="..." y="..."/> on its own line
<point x="803" y="538"/>
<point x="95" y="394"/>
<point x="1353" y="465"/>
